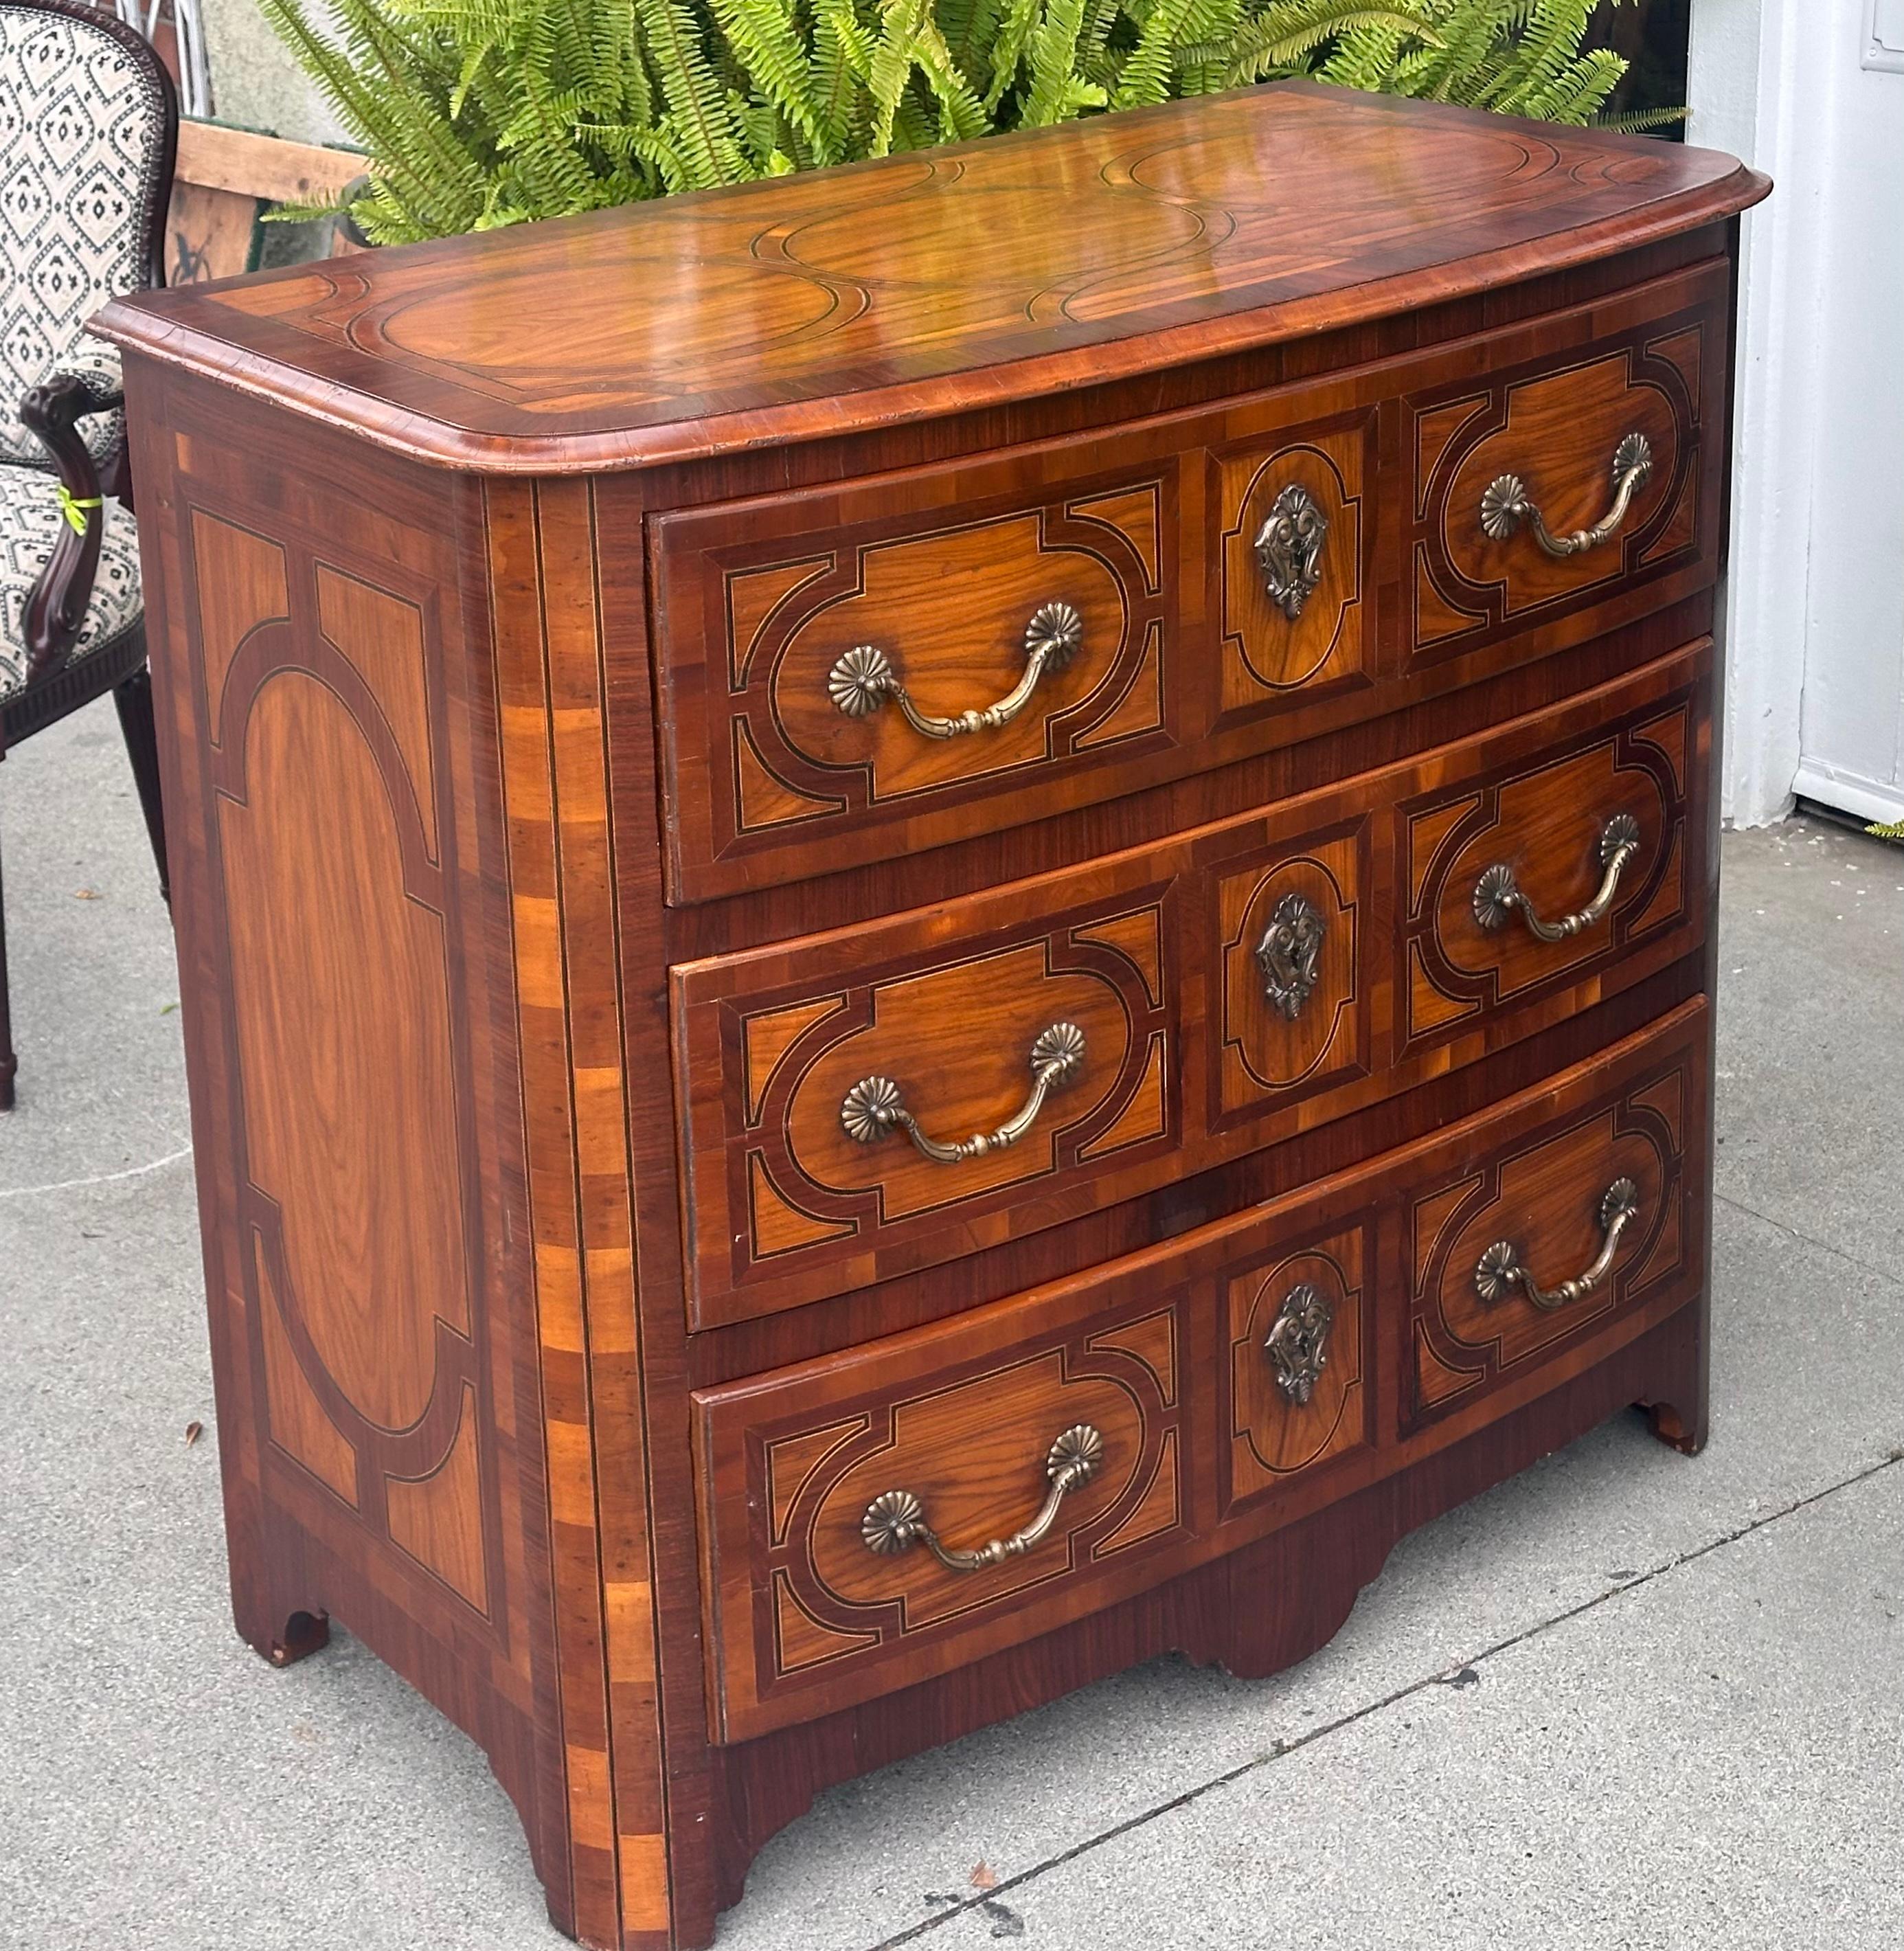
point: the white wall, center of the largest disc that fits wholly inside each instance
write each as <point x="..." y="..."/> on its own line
<point x="1815" y="609"/>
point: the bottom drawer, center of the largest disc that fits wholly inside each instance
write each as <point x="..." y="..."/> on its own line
<point x="882" y="1516"/>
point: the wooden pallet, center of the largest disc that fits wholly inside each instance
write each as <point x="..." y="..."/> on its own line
<point x="227" y="179"/>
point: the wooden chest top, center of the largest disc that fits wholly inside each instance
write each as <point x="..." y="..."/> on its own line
<point x="991" y="272"/>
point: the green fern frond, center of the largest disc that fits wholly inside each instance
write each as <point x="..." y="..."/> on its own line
<point x="1643" y="121"/>
<point x="477" y="113"/>
<point x="1285" y="39"/>
<point x="1057" y="93"/>
<point x="1017" y="25"/>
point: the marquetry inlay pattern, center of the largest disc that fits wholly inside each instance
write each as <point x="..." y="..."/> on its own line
<point x="1272" y="1438"/>
<point x="933" y="263"/>
<point x="1573" y="416"/>
<point x="1544" y="1196"/>
<point x="826" y="1601"/>
<point x="315" y="682"/>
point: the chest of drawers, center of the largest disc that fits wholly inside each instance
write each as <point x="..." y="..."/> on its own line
<point x="941" y="924"/>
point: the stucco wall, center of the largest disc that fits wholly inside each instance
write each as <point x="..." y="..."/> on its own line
<point x="254" y="80"/>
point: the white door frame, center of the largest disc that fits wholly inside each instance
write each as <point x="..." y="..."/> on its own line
<point x="1758" y="79"/>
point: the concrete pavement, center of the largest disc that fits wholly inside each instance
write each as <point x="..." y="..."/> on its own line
<point x="1625" y="1698"/>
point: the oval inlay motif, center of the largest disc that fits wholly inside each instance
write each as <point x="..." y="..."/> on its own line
<point x="1000" y="232"/>
<point x="349" y="1110"/>
<point x="638" y="314"/>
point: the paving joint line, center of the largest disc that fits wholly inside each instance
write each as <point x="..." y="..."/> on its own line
<point x="98" y="1179"/>
<point x="1887" y="1275"/>
<point x="1282" y="1749"/>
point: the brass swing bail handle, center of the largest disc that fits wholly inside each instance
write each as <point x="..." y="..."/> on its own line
<point x="1506" y="504"/>
<point x="1501" y="1267"/>
<point x="895" y="1520"/>
<point x="875" y="1106"/>
<point x="1498" y="895"/>
<point x="864" y="678"/>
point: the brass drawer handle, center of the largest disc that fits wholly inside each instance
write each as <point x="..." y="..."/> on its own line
<point x="1497" y="893"/>
<point x="874" y="1106"/>
<point x="1296" y="1343"/>
<point x="896" y="1519"/>
<point x="1501" y="1266"/>
<point x="1506" y="504"/>
<point x="864" y="679"/>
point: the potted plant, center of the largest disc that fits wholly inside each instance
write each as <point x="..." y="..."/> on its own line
<point x="480" y="113"/>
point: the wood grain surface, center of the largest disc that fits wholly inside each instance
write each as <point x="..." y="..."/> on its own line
<point x="550" y="688"/>
<point x="848" y="298"/>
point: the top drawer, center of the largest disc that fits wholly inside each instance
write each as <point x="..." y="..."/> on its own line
<point x="853" y="673"/>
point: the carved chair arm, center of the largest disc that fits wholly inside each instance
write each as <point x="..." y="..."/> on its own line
<point x="56" y="605"/>
<point x="97" y="368"/>
<point x="101" y="381"/>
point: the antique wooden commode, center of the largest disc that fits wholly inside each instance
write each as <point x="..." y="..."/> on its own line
<point x="942" y="924"/>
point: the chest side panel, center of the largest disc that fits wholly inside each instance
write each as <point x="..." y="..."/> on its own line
<point x="328" y="735"/>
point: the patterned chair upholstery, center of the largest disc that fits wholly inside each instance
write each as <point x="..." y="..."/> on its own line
<point x="89" y="125"/>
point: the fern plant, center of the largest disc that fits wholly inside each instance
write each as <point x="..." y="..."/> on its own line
<point x="476" y="113"/>
<point x="1515" y="57"/>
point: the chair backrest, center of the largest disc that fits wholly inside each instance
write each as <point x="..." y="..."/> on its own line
<point x="89" y="125"/>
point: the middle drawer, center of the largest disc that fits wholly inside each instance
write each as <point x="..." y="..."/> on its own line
<point x="861" y="1103"/>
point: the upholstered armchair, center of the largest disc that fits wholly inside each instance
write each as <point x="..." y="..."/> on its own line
<point x="88" y="124"/>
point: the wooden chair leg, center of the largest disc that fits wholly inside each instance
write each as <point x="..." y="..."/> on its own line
<point x="134" y="699"/>
<point x="9" y="1063"/>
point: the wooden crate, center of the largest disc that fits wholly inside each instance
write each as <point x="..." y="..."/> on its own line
<point x="227" y="179"/>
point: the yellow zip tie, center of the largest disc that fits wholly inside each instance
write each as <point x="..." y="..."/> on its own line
<point x="74" y="509"/>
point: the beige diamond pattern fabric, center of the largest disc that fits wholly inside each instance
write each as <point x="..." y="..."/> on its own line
<point x="82" y="137"/>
